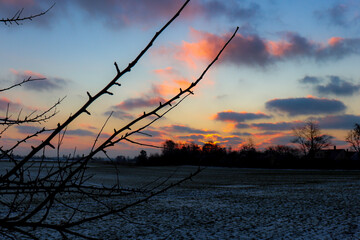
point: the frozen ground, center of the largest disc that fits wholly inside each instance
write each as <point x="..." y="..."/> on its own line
<point x="224" y="203"/>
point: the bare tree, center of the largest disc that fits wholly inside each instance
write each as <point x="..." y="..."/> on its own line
<point x="353" y="137"/>
<point x="31" y="192"/>
<point x="310" y="139"/>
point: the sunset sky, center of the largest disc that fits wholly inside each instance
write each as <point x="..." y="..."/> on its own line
<point x="290" y="61"/>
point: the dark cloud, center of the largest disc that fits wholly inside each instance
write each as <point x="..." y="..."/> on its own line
<point x="153" y="133"/>
<point x="25" y="129"/>
<point x="306" y="106"/>
<point x="231" y="10"/>
<point x="192" y="138"/>
<point x="186" y="129"/>
<point x="80" y="132"/>
<point x="119" y="114"/>
<point x="242" y="134"/>
<point x="32" y="129"/>
<point x="158" y="141"/>
<point x="249" y="50"/>
<point x="299" y="47"/>
<point x="6" y="103"/>
<point x="9" y="8"/>
<point x="279" y="126"/>
<point x="141" y="102"/>
<point x="242" y="125"/>
<point x="231" y="140"/>
<point x="239" y="117"/>
<point x="122" y="13"/>
<point x="335" y="15"/>
<point x="338" y="48"/>
<point x="338" y="86"/>
<point x="114" y="14"/>
<point x="267" y="133"/>
<point x="340" y="14"/>
<point x="282" y="140"/>
<point x="346" y="121"/>
<point x="310" y="80"/>
<point x="253" y="50"/>
<point x="45" y="84"/>
<point x="127" y="12"/>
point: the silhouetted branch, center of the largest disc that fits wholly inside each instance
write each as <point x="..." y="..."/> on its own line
<point x="31" y="118"/>
<point x="29" y="79"/>
<point x="17" y="18"/>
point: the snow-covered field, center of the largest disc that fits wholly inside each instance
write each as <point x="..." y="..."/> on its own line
<point x="224" y="203"/>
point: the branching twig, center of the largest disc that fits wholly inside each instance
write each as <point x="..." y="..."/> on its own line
<point x="29" y="79"/>
<point x="17" y="18"/>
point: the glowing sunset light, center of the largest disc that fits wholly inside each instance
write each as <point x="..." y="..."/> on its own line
<point x="275" y="75"/>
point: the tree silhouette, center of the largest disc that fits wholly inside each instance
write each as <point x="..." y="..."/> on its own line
<point x="31" y="192"/>
<point x="353" y="137"/>
<point x="310" y="139"/>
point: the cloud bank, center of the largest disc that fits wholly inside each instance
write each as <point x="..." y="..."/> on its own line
<point x="47" y="84"/>
<point x="335" y="85"/>
<point x="252" y="50"/>
<point x="238" y="117"/>
<point x="305" y="106"/>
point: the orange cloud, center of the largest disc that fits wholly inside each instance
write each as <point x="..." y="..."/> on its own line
<point x="165" y="71"/>
<point x="205" y="49"/>
<point x="335" y="40"/>
<point x="27" y="73"/>
<point x="171" y="87"/>
<point x="133" y="103"/>
<point x="172" y="82"/>
<point x="278" y="49"/>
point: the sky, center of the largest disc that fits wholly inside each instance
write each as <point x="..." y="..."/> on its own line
<point x="291" y="61"/>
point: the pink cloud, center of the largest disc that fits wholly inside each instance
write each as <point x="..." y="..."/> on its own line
<point x="166" y="71"/>
<point x="255" y="51"/>
<point x="141" y="102"/>
<point x="172" y="82"/>
<point x="171" y="87"/>
<point x="5" y="102"/>
<point x="47" y="84"/>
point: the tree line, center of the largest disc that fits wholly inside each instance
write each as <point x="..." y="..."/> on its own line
<point x="313" y="152"/>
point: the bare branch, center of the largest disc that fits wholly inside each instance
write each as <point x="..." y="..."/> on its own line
<point x="29" y="79"/>
<point x="17" y="18"/>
